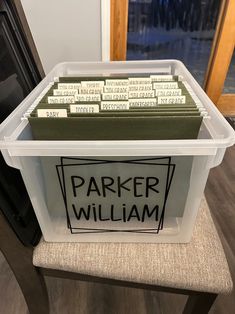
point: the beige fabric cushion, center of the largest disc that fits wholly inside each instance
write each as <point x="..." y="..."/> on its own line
<point x="200" y="265"/>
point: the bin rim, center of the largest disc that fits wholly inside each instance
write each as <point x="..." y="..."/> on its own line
<point x="224" y="135"/>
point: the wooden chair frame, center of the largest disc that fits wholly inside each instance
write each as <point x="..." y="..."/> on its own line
<point x="32" y="283"/>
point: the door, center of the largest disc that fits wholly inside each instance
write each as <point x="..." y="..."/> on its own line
<point x="200" y="33"/>
<point x="222" y="61"/>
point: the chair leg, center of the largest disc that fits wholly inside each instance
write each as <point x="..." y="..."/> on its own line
<point x="200" y="303"/>
<point x="19" y="258"/>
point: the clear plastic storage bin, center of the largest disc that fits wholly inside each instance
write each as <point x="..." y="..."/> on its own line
<point x="120" y="191"/>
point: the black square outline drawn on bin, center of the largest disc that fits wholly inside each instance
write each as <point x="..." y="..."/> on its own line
<point x="91" y="161"/>
<point x="94" y="161"/>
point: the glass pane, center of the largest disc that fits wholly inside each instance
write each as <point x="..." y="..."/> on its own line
<point x="173" y="29"/>
<point x="229" y="85"/>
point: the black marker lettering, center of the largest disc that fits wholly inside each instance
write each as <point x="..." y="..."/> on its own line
<point x="149" y="185"/>
<point x="133" y="213"/>
<point x="148" y="213"/>
<point x="106" y="183"/>
<point x="136" y="183"/>
<point x="76" y="183"/>
<point x="81" y="212"/>
<point x="93" y="187"/>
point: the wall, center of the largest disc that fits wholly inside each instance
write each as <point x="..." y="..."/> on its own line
<point x="65" y="30"/>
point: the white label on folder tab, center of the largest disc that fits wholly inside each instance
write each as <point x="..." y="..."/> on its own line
<point x="116" y="89"/>
<point x="168" y="92"/>
<point x="69" y="85"/>
<point x="64" y="92"/>
<point x="92" y="84"/>
<point x="117" y="96"/>
<point x="61" y="99"/>
<point x="114" y="105"/>
<point x="116" y="82"/>
<point x="52" y="113"/>
<point x="84" y="108"/>
<point x="144" y="94"/>
<point x="139" y="80"/>
<point x="162" y="85"/>
<point x="88" y="90"/>
<point x="171" y="100"/>
<point x="87" y="97"/>
<point x="140" y="88"/>
<point x="161" y="78"/>
<point x="146" y="102"/>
